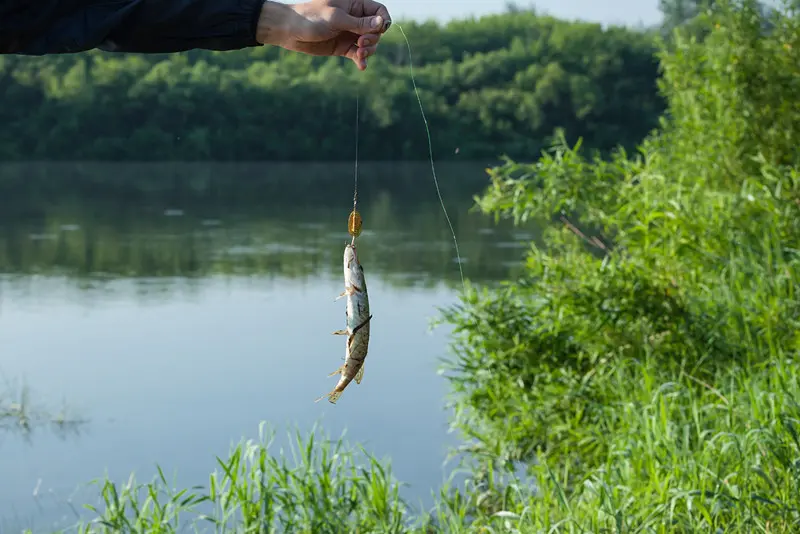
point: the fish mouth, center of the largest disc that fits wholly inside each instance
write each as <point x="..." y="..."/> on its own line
<point x="350" y="254"/>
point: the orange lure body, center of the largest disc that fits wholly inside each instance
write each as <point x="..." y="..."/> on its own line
<point x="354" y="223"/>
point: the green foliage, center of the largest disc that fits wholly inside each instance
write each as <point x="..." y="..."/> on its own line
<point x="667" y="278"/>
<point x="499" y="84"/>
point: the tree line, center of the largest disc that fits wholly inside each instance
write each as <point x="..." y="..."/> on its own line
<point x="498" y="85"/>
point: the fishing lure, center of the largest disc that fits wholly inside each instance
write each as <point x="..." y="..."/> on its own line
<point x="358" y="314"/>
<point x="354" y="224"/>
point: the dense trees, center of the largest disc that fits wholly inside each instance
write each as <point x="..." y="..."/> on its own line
<point x="497" y="85"/>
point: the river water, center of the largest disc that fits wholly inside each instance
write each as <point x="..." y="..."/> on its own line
<point x="172" y="308"/>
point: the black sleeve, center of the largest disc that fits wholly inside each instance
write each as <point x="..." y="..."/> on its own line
<point x="38" y="27"/>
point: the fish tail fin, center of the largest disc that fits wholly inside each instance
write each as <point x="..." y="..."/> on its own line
<point x="336" y="392"/>
<point x="333" y="396"/>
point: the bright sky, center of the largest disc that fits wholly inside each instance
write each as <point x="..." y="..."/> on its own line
<point x="630" y="12"/>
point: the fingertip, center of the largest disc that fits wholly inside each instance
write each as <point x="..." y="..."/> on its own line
<point x="374" y="8"/>
<point x="361" y="64"/>
<point x="364" y="53"/>
<point x="377" y="23"/>
<point x="387" y="19"/>
<point x="369" y="39"/>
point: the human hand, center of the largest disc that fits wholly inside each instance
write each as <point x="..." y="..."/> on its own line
<point x="348" y="28"/>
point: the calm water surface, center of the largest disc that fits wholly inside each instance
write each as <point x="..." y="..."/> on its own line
<point x="174" y="308"/>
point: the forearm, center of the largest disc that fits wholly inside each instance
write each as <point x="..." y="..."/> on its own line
<point x="145" y="26"/>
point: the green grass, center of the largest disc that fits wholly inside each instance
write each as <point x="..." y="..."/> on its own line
<point x="318" y="485"/>
<point x="678" y="455"/>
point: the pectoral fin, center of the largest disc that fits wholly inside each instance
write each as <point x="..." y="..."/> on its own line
<point x="360" y="374"/>
<point x="339" y="333"/>
<point x="338" y="371"/>
<point x="346" y="292"/>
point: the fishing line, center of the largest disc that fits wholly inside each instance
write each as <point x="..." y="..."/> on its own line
<point x="354" y="221"/>
<point x="355" y="179"/>
<point x="355" y="186"/>
<point x="430" y="152"/>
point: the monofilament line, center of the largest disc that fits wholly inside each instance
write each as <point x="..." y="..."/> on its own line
<point x="355" y="185"/>
<point x="355" y="179"/>
<point x="430" y="152"/>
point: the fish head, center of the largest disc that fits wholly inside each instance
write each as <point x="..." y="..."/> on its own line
<point x="353" y="271"/>
<point x="350" y="256"/>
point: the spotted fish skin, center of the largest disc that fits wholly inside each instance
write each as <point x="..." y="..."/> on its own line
<point x="357" y="325"/>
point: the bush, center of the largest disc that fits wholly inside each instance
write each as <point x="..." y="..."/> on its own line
<point x="647" y="358"/>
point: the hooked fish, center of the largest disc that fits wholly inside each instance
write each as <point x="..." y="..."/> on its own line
<point x="358" y="322"/>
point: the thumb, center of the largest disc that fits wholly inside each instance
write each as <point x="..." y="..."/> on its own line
<point x="343" y="21"/>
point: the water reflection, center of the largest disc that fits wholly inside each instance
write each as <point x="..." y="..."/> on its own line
<point x="285" y="221"/>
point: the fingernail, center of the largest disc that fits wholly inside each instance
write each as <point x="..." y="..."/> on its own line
<point x="376" y="22"/>
<point x="366" y="42"/>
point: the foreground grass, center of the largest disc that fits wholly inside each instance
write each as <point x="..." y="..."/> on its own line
<point x="678" y="455"/>
<point x="319" y="485"/>
<point x="686" y="457"/>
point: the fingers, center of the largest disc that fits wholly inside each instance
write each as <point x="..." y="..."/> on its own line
<point x="369" y="16"/>
<point x="366" y="52"/>
<point x="359" y="54"/>
<point x="370" y="39"/>
<point x="376" y="9"/>
<point x="367" y="46"/>
<point x="354" y="54"/>
<point x="343" y="21"/>
<point x="358" y="50"/>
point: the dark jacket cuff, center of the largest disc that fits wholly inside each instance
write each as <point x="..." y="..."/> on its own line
<point x="145" y="26"/>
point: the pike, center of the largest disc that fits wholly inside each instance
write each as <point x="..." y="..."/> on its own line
<point x="358" y="322"/>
